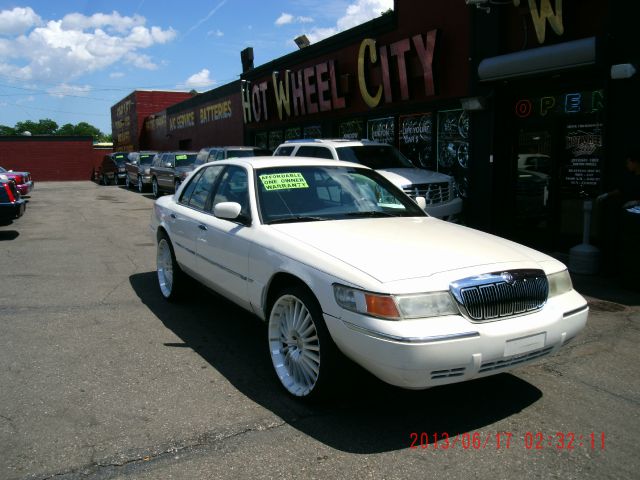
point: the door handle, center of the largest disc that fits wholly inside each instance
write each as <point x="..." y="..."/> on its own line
<point x="173" y="215"/>
<point x="202" y="227"/>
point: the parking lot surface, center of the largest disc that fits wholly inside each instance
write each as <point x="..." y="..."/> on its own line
<point x="101" y="378"/>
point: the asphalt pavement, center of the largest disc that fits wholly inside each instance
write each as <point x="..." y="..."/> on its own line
<point x="101" y="378"/>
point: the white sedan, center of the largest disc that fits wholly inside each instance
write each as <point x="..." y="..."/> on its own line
<point x="337" y="260"/>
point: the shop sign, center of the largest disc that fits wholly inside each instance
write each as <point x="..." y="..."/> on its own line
<point x="540" y="16"/>
<point x="583" y="167"/>
<point x="565" y="104"/>
<point x="315" y="88"/>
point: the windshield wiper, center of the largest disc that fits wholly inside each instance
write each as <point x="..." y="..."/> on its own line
<point x="297" y="218"/>
<point x="371" y="213"/>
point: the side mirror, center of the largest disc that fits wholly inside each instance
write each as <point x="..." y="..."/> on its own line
<point x="168" y="165"/>
<point x="227" y="210"/>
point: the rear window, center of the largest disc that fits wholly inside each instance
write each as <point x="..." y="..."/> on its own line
<point x="284" y="151"/>
<point x="247" y="153"/>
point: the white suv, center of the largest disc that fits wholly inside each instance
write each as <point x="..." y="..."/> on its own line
<point x="439" y="190"/>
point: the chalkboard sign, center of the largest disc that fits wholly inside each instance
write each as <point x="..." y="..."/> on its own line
<point x="313" y="131"/>
<point x="352" y="130"/>
<point x="582" y="169"/>
<point x="293" y="133"/>
<point x="415" y="139"/>
<point x="453" y="146"/>
<point x="261" y="140"/>
<point x="381" y="130"/>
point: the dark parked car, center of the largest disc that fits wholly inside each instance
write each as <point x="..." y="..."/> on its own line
<point x="169" y="169"/>
<point x="112" y="169"/>
<point x="12" y="206"/>
<point x="209" y="154"/>
<point x="23" y="180"/>
<point x="139" y="170"/>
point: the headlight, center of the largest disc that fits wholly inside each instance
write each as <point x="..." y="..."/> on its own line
<point x="394" y="307"/>
<point x="147" y="171"/>
<point x="559" y="283"/>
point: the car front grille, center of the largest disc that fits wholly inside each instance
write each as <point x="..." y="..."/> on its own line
<point x="501" y="295"/>
<point x="434" y="193"/>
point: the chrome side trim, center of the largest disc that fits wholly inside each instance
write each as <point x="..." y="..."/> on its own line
<point x="584" y="308"/>
<point x="411" y="340"/>
<point x="215" y="264"/>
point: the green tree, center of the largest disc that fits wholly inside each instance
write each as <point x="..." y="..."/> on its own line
<point x="5" y="130"/>
<point x="43" y="127"/>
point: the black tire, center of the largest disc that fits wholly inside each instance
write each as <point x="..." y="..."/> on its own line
<point x="140" y="185"/>
<point x="155" y="188"/>
<point x="127" y="182"/>
<point x="115" y="179"/>
<point x="303" y="354"/>
<point x="171" y="278"/>
<point x="176" y="185"/>
<point x="104" y="179"/>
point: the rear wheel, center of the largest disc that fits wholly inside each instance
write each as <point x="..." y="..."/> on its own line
<point x="171" y="279"/>
<point x="301" y="348"/>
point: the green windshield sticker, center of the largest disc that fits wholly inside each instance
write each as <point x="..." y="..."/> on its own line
<point x="181" y="157"/>
<point x="283" y="181"/>
<point x="119" y="156"/>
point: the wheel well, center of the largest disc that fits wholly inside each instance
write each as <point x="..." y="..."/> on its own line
<point x="162" y="233"/>
<point x="277" y="283"/>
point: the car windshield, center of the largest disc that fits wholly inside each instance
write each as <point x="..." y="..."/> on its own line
<point x="247" y="153"/>
<point x="120" y="159"/>
<point x="185" y="159"/>
<point x="312" y="193"/>
<point x="374" y="156"/>
<point x="2" y="170"/>
<point x="146" y="159"/>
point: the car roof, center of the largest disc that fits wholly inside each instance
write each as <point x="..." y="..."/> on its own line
<point x="268" y="162"/>
<point x="336" y="142"/>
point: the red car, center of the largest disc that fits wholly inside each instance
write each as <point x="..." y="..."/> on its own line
<point x="23" y="180"/>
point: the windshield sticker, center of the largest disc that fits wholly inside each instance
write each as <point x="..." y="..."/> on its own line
<point x="119" y="156"/>
<point x="283" y="181"/>
<point x="181" y="157"/>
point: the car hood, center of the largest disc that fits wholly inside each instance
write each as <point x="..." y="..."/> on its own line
<point x="412" y="176"/>
<point x="392" y="249"/>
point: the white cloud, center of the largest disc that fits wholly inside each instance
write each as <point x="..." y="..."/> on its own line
<point x="284" y="19"/>
<point x="18" y="20"/>
<point x="116" y="75"/>
<point x="64" y="90"/>
<point x="215" y="33"/>
<point x="287" y="18"/>
<point x="357" y="13"/>
<point x="199" y="80"/>
<point x="61" y="50"/>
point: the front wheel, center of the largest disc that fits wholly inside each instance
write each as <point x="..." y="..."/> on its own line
<point x="170" y="276"/>
<point x="140" y="185"/>
<point x="127" y="182"/>
<point x="301" y="348"/>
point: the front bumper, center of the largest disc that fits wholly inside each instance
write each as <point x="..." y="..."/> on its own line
<point x="447" y="210"/>
<point x="419" y="354"/>
<point x="12" y="211"/>
<point x="146" y="179"/>
<point x="25" y="188"/>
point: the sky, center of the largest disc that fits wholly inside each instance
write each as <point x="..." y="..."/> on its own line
<point x="70" y="61"/>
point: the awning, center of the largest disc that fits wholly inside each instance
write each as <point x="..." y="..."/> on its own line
<point x="562" y="56"/>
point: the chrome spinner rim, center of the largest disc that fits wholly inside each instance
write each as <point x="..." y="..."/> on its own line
<point x="294" y="345"/>
<point x="164" y="264"/>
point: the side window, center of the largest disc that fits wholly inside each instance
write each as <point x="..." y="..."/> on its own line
<point x="202" y="185"/>
<point x="282" y="151"/>
<point x="233" y="187"/>
<point x="220" y="155"/>
<point x="188" y="190"/>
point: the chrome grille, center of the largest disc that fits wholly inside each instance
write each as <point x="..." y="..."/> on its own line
<point x="434" y="193"/>
<point x="502" y="294"/>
